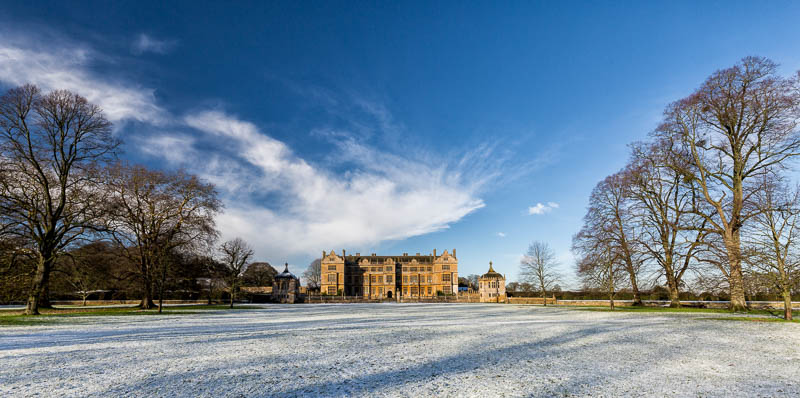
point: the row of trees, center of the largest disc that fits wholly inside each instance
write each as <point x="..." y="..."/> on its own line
<point x="708" y="196"/>
<point x="62" y="187"/>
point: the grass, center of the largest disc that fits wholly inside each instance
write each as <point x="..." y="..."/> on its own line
<point x="752" y="319"/>
<point x="60" y="314"/>
<point x="775" y="315"/>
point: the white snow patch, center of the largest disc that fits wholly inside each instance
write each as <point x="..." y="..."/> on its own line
<point x="401" y="350"/>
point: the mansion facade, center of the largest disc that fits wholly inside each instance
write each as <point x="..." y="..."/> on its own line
<point x="378" y="277"/>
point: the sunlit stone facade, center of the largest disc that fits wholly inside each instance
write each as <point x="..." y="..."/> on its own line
<point x="492" y="286"/>
<point x="375" y="276"/>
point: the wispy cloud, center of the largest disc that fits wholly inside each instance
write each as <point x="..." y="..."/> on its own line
<point x="539" y="208"/>
<point x="389" y="197"/>
<point x="501" y="234"/>
<point x="61" y="66"/>
<point x="144" y="43"/>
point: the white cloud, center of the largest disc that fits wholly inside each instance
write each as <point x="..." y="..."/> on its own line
<point x="385" y="197"/>
<point x="501" y="234"/>
<point x="67" y="67"/>
<point x="539" y="208"/>
<point x="145" y="43"/>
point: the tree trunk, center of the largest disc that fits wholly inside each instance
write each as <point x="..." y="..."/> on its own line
<point x="544" y="297"/>
<point x="787" y="303"/>
<point x="40" y="281"/>
<point x="44" y="301"/>
<point x="147" y="296"/>
<point x="735" y="276"/>
<point x="611" y="291"/>
<point x="233" y="289"/>
<point x="161" y="287"/>
<point x="637" y="298"/>
<point x="674" y="294"/>
<point x="161" y="297"/>
<point x="84" y="300"/>
<point x="147" y="287"/>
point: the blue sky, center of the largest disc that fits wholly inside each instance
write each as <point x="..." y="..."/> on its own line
<point x="390" y="128"/>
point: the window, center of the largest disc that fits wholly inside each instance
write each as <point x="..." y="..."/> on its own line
<point x="414" y="291"/>
<point x="405" y="291"/>
<point x="388" y="269"/>
<point x="331" y="277"/>
<point x="445" y="268"/>
<point x="332" y="268"/>
<point x="405" y="279"/>
<point x="429" y="290"/>
<point x="380" y="278"/>
<point x="380" y="291"/>
<point x="430" y="269"/>
<point x="388" y="279"/>
<point x="372" y="279"/>
<point x="413" y="269"/>
<point x="331" y="289"/>
<point x="448" y="289"/>
<point x="430" y="278"/>
<point x="413" y="279"/>
<point x="445" y="277"/>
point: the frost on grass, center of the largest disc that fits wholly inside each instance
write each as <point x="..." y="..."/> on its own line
<point x="401" y="350"/>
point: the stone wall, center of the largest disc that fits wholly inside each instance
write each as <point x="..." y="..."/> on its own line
<point x="531" y="300"/>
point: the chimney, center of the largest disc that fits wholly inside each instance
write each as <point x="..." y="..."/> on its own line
<point x="434" y="252"/>
<point x="418" y="253"/>
<point x="358" y="254"/>
<point x="323" y="254"/>
<point x="405" y="254"/>
<point x="343" y="253"/>
<point x="373" y="254"/>
<point x="454" y="253"/>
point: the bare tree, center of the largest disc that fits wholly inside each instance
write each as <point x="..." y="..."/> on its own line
<point x="51" y="146"/>
<point x="539" y="267"/>
<point x="313" y="274"/>
<point x="602" y="269"/>
<point x="234" y="255"/>
<point x="740" y="122"/>
<point x="153" y="213"/>
<point x="663" y="208"/>
<point x="774" y="255"/>
<point x="609" y="225"/>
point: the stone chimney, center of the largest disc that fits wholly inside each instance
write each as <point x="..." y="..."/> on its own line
<point x="323" y="254"/>
<point x="343" y="253"/>
<point x="434" y="252"/>
<point x="454" y="253"/>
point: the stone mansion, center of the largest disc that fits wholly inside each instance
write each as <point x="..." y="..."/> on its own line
<point x="376" y="276"/>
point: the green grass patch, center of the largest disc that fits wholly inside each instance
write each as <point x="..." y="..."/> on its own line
<point x="774" y="313"/>
<point x="751" y="319"/>
<point x="62" y="314"/>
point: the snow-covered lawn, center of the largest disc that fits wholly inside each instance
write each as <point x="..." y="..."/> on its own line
<point x="401" y="350"/>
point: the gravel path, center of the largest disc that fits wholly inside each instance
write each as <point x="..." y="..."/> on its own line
<point x="402" y="350"/>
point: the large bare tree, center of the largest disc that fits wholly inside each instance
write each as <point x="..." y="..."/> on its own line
<point x="51" y="147"/>
<point x="234" y="255"/>
<point x="153" y="213"/>
<point x="539" y="267"/>
<point x="740" y="122"/>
